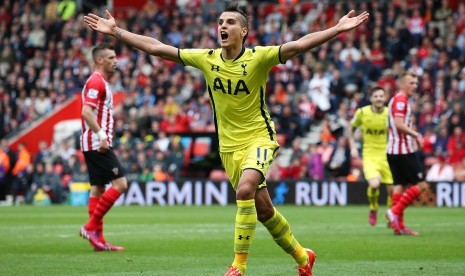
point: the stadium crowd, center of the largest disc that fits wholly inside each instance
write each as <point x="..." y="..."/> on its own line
<point x="45" y="58"/>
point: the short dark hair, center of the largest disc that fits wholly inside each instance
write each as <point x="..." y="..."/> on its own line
<point x="235" y="7"/>
<point x="376" y="88"/>
<point x="99" y="48"/>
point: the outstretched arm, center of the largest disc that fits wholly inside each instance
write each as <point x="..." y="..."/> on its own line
<point x="346" y="23"/>
<point x="144" y="43"/>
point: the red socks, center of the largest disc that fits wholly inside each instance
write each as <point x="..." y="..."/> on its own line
<point x="98" y="207"/>
<point x="93" y="201"/>
<point x="405" y="200"/>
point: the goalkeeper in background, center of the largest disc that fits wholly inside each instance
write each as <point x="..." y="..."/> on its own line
<point x="373" y="121"/>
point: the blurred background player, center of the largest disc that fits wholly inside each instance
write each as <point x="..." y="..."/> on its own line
<point x="236" y="80"/>
<point x="373" y="120"/>
<point x="403" y="148"/>
<point x="96" y="143"/>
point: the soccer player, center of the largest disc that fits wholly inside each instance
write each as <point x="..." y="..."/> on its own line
<point x="236" y="79"/>
<point x="373" y="120"/>
<point x="96" y="141"/>
<point x="403" y="156"/>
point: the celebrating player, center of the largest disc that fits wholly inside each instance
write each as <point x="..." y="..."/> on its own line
<point x="403" y="155"/>
<point x="373" y="120"/>
<point x="236" y="79"/>
<point x="96" y="142"/>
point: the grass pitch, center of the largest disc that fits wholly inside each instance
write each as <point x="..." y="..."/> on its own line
<point x="198" y="241"/>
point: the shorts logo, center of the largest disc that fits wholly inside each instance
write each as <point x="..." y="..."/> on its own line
<point x="420" y="175"/>
<point x="400" y="106"/>
<point x="92" y="94"/>
<point x="115" y="171"/>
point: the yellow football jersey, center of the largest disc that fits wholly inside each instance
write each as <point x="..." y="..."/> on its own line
<point x="374" y="129"/>
<point x="237" y="93"/>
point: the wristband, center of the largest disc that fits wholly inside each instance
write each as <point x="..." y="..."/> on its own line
<point x="101" y="134"/>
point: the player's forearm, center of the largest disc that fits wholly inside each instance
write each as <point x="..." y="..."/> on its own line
<point x="315" y="39"/>
<point x="143" y="43"/>
<point x="90" y="120"/>
<point x="308" y="42"/>
<point x="400" y="126"/>
<point x="147" y="44"/>
<point x="350" y="135"/>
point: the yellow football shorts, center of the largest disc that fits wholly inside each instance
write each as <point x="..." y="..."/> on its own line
<point x="258" y="156"/>
<point x="375" y="166"/>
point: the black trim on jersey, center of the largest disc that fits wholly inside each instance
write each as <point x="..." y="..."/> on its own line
<point x="210" y="52"/>
<point x="179" y="56"/>
<point x="262" y="109"/>
<point x="253" y="50"/>
<point x="240" y="55"/>
<point x="214" y="114"/>
<point x="279" y="55"/>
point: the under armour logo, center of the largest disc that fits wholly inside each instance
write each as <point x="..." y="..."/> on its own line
<point x="115" y="171"/>
<point x="261" y="163"/>
<point x="243" y="68"/>
<point x="242" y="237"/>
<point x="215" y="68"/>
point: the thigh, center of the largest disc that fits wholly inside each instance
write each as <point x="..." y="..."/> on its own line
<point x="370" y="168"/>
<point x="259" y="157"/>
<point x="406" y="169"/>
<point x="385" y="170"/>
<point x="103" y="167"/>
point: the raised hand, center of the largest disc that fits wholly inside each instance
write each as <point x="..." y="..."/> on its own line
<point x="105" y="26"/>
<point x="350" y="21"/>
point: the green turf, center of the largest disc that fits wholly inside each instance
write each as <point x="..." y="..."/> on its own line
<point x="198" y="241"/>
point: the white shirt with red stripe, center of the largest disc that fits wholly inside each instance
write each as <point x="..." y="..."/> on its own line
<point x="399" y="142"/>
<point x="97" y="94"/>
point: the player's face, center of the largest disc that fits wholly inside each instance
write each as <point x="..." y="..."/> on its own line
<point x="378" y="98"/>
<point x="108" y="61"/>
<point x="230" y="32"/>
<point x="410" y="85"/>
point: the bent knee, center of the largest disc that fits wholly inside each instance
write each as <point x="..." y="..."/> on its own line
<point x="120" y="184"/>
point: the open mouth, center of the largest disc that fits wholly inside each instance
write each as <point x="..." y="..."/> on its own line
<point x="224" y="36"/>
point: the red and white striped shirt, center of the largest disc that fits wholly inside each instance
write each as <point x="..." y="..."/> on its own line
<point x="97" y="94"/>
<point x="399" y="142"/>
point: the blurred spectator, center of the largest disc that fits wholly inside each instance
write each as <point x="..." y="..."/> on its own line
<point x="23" y="160"/>
<point x="315" y="163"/>
<point x="22" y="183"/>
<point x="339" y="163"/>
<point x="44" y="154"/>
<point x="440" y="171"/>
<point x="459" y="171"/>
<point x="175" y="158"/>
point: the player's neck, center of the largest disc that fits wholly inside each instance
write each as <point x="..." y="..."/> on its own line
<point x="104" y="75"/>
<point x="377" y="109"/>
<point x="404" y="93"/>
<point x="231" y="53"/>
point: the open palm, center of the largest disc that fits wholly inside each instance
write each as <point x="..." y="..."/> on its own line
<point x="100" y="24"/>
<point x="350" y="21"/>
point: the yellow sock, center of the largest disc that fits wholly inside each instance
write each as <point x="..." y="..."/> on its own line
<point x="373" y="195"/>
<point x="246" y="222"/>
<point x="389" y="201"/>
<point x="280" y="229"/>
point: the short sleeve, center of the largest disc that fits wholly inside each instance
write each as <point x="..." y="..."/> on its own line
<point x="269" y="55"/>
<point x="94" y="91"/>
<point x="399" y="107"/>
<point x="194" y="57"/>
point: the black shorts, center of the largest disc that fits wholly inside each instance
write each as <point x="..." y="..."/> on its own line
<point x="103" y="167"/>
<point x="406" y="169"/>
